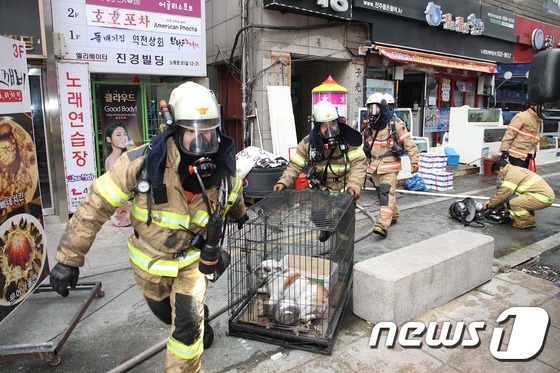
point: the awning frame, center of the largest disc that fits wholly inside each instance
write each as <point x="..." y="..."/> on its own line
<point x="411" y="56"/>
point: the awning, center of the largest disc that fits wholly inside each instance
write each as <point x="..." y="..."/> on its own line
<point x="423" y="58"/>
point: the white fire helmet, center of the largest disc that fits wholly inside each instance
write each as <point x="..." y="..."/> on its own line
<point x="373" y="103"/>
<point x="389" y="98"/>
<point x="325" y="112"/>
<point x="196" y="109"/>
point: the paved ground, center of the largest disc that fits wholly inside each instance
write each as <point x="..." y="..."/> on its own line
<point x="119" y="326"/>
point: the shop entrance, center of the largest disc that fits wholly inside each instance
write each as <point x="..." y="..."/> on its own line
<point x="410" y="94"/>
<point x="37" y="112"/>
<point x="307" y="75"/>
<point x="133" y="106"/>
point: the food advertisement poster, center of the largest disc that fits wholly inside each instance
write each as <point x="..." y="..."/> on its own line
<point x="23" y="252"/>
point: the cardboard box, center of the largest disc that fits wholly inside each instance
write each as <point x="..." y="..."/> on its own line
<point x="321" y="270"/>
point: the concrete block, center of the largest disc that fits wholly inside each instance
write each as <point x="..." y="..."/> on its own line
<point x="402" y="284"/>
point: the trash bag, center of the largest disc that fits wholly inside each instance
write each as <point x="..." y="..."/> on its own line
<point x="416" y="183"/>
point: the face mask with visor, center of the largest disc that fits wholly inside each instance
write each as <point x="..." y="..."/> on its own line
<point x="329" y="134"/>
<point x="204" y="143"/>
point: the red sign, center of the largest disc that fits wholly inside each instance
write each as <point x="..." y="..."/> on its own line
<point x="413" y="57"/>
<point x="10" y="95"/>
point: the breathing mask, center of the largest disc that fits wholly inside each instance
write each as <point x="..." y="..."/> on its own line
<point x="328" y="132"/>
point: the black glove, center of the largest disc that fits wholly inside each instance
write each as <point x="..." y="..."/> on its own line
<point x="505" y="156"/>
<point x="63" y="276"/>
<point x="224" y="259"/>
<point x="241" y="221"/>
<point x="367" y="149"/>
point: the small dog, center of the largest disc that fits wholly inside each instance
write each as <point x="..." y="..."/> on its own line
<point x="310" y="297"/>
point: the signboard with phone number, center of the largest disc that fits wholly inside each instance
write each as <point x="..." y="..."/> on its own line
<point x="154" y="38"/>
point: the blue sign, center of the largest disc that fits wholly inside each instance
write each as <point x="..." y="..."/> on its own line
<point x="433" y="14"/>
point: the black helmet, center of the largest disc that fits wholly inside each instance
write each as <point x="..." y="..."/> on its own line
<point x="465" y="211"/>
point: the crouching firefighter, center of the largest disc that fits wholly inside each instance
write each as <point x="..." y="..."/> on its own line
<point x="522" y="191"/>
<point x="331" y="156"/>
<point x="182" y="185"/>
<point x="385" y="140"/>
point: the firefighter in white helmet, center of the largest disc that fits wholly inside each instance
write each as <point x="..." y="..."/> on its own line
<point x="390" y="101"/>
<point x="331" y="156"/>
<point x="385" y="139"/>
<point x="182" y="184"/>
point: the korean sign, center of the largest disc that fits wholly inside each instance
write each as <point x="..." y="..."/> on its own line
<point x="23" y="254"/>
<point x="120" y="107"/>
<point x="147" y="37"/>
<point x="77" y="133"/>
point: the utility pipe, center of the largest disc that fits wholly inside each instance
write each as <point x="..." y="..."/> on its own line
<point x="138" y="359"/>
<point x="443" y="194"/>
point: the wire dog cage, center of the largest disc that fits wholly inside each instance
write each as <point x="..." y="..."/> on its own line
<point x="290" y="277"/>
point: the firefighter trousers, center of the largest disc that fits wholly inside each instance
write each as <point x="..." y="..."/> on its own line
<point x="522" y="210"/>
<point x="186" y="295"/>
<point x="385" y="184"/>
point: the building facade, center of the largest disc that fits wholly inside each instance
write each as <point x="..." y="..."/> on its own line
<point x="430" y="55"/>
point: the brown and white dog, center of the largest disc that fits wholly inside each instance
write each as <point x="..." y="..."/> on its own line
<point x="310" y="297"/>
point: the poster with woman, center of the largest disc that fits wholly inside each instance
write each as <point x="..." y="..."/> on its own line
<point x="120" y="107"/>
<point x="23" y="252"/>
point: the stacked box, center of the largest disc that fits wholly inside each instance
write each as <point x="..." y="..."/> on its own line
<point x="438" y="180"/>
<point x="432" y="162"/>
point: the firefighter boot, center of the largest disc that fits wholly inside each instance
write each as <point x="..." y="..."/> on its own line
<point x="208" y="336"/>
<point x="378" y="229"/>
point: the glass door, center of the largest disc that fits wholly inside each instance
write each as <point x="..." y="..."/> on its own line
<point x="39" y="129"/>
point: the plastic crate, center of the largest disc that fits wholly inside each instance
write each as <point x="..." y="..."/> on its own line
<point x="452" y="157"/>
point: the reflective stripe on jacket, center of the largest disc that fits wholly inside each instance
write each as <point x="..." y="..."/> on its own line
<point x="522" y="135"/>
<point x="519" y="180"/>
<point x="382" y="161"/>
<point x="166" y="231"/>
<point x="351" y="169"/>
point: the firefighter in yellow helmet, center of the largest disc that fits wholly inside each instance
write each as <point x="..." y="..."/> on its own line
<point x="182" y="185"/>
<point x="385" y="140"/>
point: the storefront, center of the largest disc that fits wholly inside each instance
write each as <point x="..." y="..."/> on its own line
<point x="437" y="55"/>
<point x="91" y="66"/>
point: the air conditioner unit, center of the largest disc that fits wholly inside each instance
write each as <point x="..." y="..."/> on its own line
<point x="485" y="85"/>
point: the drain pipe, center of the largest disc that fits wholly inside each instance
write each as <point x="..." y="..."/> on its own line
<point x="140" y="358"/>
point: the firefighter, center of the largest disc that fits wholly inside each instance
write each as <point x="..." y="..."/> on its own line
<point x="181" y="184"/>
<point x="390" y="101"/>
<point x="520" y="141"/>
<point x="385" y="138"/>
<point x="331" y="155"/>
<point x="523" y="192"/>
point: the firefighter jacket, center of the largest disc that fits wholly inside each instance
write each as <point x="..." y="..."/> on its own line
<point x="519" y="180"/>
<point x="382" y="160"/>
<point x="161" y="247"/>
<point x="522" y="135"/>
<point x="344" y="169"/>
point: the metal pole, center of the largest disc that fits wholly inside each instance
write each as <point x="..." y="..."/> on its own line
<point x="443" y="194"/>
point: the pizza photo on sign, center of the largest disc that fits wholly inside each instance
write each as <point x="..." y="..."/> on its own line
<point x="19" y="173"/>
<point x="22" y="257"/>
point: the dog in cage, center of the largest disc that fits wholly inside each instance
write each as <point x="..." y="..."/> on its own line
<point x="292" y="297"/>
